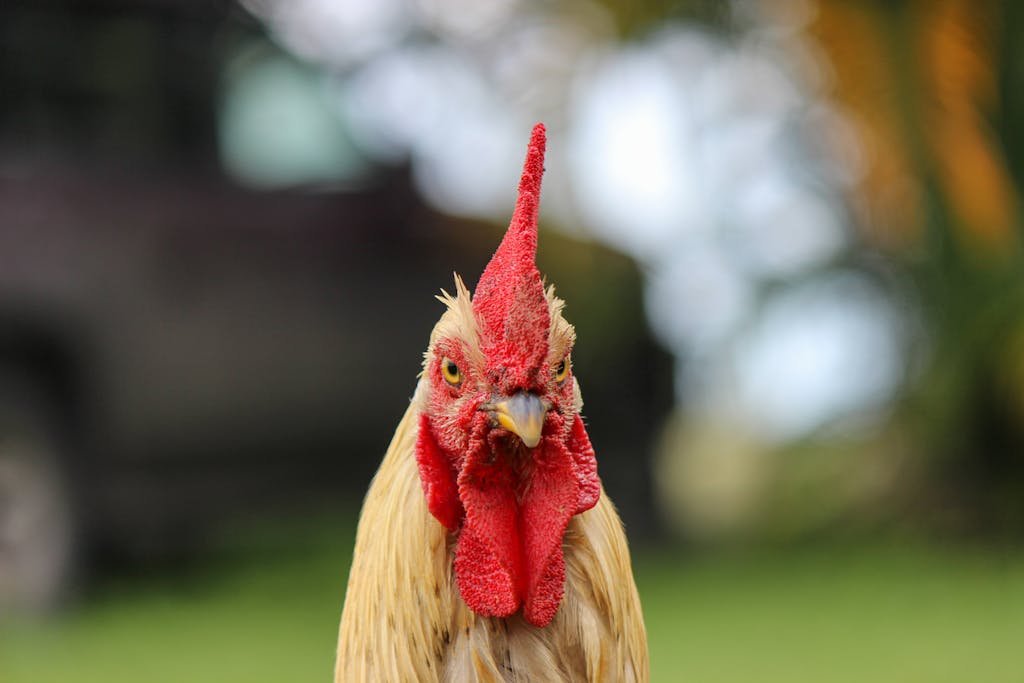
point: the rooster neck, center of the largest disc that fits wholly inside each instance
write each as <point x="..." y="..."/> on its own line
<point x="404" y="619"/>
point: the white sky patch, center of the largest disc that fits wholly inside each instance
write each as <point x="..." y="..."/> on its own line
<point x="466" y="19"/>
<point x="467" y="148"/>
<point x="398" y="102"/>
<point x="338" y="32"/>
<point x="680" y="156"/>
<point x="474" y="169"/>
<point x="635" y="185"/>
<point x="696" y="298"/>
<point x="778" y="229"/>
<point x="820" y="351"/>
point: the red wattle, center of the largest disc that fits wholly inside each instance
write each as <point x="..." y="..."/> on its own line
<point x="585" y="463"/>
<point x="437" y="477"/>
<point x="509" y="549"/>
<point x="488" y="559"/>
<point x="549" y="502"/>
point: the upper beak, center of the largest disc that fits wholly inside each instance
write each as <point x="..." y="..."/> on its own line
<point x="523" y="415"/>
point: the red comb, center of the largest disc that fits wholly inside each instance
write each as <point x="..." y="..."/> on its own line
<point x="509" y="300"/>
<point x="524" y="219"/>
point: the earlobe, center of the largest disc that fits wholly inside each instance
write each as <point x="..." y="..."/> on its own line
<point x="438" y="478"/>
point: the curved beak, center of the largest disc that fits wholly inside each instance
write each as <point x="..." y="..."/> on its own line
<point x="523" y="415"/>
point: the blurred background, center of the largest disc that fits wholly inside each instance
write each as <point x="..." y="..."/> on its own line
<point x="789" y="236"/>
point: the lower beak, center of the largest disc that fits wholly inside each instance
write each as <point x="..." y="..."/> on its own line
<point x="523" y="415"/>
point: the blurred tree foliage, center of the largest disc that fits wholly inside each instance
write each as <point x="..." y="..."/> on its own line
<point x="933" y="91"/>
<point x="638" y="17"/>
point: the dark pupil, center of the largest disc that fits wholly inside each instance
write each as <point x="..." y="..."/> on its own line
<point x="561" y="368"/>
<point x="452" y="368"/>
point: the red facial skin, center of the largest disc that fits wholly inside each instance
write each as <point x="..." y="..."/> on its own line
<point x="509" y="505"/>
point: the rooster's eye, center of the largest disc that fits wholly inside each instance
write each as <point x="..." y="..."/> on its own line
<point x="562" y="371"/>
<point x="450" y="371"/>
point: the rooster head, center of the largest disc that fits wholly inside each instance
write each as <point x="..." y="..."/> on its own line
<point x="503" y="455"/>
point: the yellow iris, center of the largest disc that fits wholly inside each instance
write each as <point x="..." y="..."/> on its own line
<point x="450" y="371"/>
<point x="562" y="370"/>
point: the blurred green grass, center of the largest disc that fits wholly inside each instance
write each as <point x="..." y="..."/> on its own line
<point x="264" y="607"/>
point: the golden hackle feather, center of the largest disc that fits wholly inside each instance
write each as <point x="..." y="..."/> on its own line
<point x="403" y="618"/>
<point x="562" y="334"/>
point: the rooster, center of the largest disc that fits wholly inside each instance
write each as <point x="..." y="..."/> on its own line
<point x="487" y="549"/>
